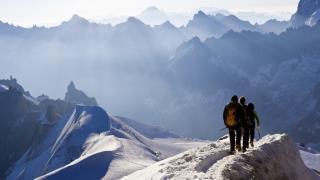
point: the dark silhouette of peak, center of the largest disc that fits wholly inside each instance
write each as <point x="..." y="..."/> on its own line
<point x="192" y="48"/>
<point x="71" y="86"/>
<point x="200" y="14"/>
<point x="76" y="20"/>
<point x="76" y="96"/>
<point x="195" y="40"/>
<point x="133" y="20"/>
<point x="133" y="23"/>
<point x="168" y="25"/>
<point x="308" y="7"/>
<point x="13" y="84"/>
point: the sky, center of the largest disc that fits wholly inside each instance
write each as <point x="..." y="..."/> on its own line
<point x="46" y="12"/>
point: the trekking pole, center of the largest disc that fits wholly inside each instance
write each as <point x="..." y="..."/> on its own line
<point x="223" y="129"/>
<point x="259" y="133"/>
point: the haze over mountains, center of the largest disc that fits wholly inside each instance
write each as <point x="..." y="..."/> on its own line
<point x="156" y="16"/>
<point x="167" y="75"/>
<point x="175" y="80"/>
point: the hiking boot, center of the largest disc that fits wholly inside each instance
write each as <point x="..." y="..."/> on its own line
<point x="238" y="147"/>
<point x="251" y="143"/>
<point x="232" y="152"/>
<point x="244" y="150"/>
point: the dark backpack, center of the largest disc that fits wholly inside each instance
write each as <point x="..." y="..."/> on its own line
<point x="249" y="120"/>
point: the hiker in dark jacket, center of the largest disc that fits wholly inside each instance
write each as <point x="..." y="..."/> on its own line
<point x="244" y="124"/>
<point x="231" y="120"/>
<point x="252" y="121"/>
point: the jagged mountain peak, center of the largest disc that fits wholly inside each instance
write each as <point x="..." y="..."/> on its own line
<point x="200" y="14"/>
<point x="71" y="86"/>
<point x="168" y="25"/>
<point x="308" y="7"/>
<point x="133" y="20"/>
<point x="75" y="96"/>
<point x="195" y="40"/>
<point x="78" y="19"/>
<point x="307" y="13"/>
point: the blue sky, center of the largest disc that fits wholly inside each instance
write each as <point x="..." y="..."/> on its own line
<point x="28" y="12"/>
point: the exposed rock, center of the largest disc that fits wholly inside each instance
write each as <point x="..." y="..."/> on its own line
<point x="76" y="96"/>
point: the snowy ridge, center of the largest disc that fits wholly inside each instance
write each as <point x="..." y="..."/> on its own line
<point x="3" y="88"/>
<point x="91" y="144"/>
<point x="154" y="132"/>
<point x="272" y="153"/>
<point x="63" y="144"/>
<point x="314" y="19"/>
<point x="311" y="160"/>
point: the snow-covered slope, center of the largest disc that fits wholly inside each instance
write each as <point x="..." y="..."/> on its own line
<point x="63" y="144"/>
<point x="3" y="88"/>
<point x="148" y="130"/>
<point x="311" y="160"/>
<point x="274" y="157"/>
<point x="314" y="18"/>
<point x="90" y="144"/>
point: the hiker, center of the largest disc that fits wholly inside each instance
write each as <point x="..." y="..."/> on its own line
<point x="232" y="122"/>
<point x="243" y="123"/>
<point x="252" y="121"/>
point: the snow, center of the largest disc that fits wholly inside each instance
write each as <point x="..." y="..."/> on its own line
<point x="274" y="157"/>
<point x="31" y="99"/>
<point x="3" y="88"/>
<point x="313" y="19"/>
<point x="149" y="131"/>
<point x="63" y="143"/>
<point x="83" y="145"/>
<point x="311" y="160"/>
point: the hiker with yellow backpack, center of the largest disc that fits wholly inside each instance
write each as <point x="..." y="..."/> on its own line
<point x="232" y="115"/>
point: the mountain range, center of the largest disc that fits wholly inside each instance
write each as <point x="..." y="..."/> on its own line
<point x="163" y="75"/>
<point x="85" y="142"/>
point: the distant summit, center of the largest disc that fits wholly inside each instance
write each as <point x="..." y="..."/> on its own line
<point x="308" y="13"/>
<point x="168" y="25"/>
<point x="76" y="96"/>
<point x="76" y="20"/>
<point x="152" y="9"/>
<point x="133" y="20"/>
<point x="153" y="16"/>
<point x="200" y="14"/>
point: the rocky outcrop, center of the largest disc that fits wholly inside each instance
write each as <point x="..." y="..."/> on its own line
<point x="76" y="96"/>
<point x="18" y="127"/>
<point x="306" y="12"/>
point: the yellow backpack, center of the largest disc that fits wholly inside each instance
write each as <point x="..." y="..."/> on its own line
<point x="231" y="115"/>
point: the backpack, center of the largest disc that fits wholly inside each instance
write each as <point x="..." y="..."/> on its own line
<point x="249" y="117"/>
<point x="231" y="119"/>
